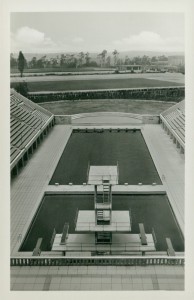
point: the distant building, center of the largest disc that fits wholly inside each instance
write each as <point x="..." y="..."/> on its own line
<point x="158" y="66"/>
<point x="176" y="60"/>
<point x="130" y="68"/>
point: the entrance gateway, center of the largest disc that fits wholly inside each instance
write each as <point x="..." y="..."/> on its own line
<point x="103" y="230"/>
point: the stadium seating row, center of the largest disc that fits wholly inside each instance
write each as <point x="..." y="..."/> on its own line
<point x="26" y="121"/>
<point x="173" y="120"/>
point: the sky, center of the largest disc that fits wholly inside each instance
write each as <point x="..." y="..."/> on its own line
<point x="47" y="32"/>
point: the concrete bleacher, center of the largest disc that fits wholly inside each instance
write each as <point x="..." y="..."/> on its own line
<point x="27" y="122"/>
<point x="173" y="121"/>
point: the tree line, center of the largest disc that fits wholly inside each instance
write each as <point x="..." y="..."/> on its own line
<point x="81" y="60"/>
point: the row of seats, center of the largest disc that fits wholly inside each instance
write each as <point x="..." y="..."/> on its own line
<point x="26" y="119"/>
<point x="28" y="103"/>
<point x="175" y="117"/>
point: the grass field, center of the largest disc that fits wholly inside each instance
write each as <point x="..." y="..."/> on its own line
<point x="59" y="70"/>
<point x="150" y="210"/>
<point x="127" y="149"/>
<point x="38" y="86"/>
<point x="113" y="105"/>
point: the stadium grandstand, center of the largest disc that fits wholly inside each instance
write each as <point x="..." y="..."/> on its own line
<point x="116" y="167"/>
<point x="173" y="122"/>
<point x="29" y="124"/>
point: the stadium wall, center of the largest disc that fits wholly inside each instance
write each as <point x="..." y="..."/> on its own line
<point x="106" y="118"/>
<point x="62" y="119"/>
<point x="174" y="94"/>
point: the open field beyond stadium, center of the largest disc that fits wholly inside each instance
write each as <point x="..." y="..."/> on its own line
<point x="96" y="84"/>
<point x="172" y="77"/>
<point x="70" y="107"/>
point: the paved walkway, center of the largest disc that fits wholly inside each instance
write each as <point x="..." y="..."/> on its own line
<point x="124" y="189"/>
<point x="28" y="188"/>
<point x="93" y="278"/>
<point x="170" y="165"/>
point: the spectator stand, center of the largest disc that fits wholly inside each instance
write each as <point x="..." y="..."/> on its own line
<point x="173" y="122"/>
<point x="29" y="123"/>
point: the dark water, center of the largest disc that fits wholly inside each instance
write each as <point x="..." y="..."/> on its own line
<point x="128" y="149"/>
<point x="151" y="210"/>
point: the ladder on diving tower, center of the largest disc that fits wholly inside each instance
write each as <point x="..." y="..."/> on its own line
<point x="106" y="191"/>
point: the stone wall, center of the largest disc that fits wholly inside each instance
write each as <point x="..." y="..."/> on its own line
<point x="151" y="119"/>
<point x="62" y="119"/>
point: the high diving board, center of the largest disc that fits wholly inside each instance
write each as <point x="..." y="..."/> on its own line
<point x="37" y="249"/>
<point x="120" y="222"/>
<point x="170" y="249"/>
<point x="142" y="234"/>
<point x="99" y="174"/>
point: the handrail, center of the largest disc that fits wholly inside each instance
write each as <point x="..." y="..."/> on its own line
<point x="99" y="260"/>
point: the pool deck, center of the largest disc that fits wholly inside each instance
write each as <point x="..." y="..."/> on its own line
<point x="89" y="189"/>
<point x="28" y="188"/>
<point x="170" y="165"/>
<point x="98" y="278"/>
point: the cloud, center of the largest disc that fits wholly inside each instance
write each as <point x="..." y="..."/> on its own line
<point x="148" y="40"/>
<point x="27" y="38"/>
<point x="31" y="40"/>
<point x="78" y="40"/>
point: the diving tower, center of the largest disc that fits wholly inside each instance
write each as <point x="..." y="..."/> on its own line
<point x="103" y="229"/>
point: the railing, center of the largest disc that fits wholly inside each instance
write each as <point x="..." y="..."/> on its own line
<point x="97" y="261"/>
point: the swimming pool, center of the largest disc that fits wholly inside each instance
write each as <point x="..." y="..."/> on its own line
<point x="125" y="148"/>
<point x="153" y="211"/>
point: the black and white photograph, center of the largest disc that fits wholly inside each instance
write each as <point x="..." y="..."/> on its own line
<point x="97" y="150"/>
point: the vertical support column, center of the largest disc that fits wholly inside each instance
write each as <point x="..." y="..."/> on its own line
<point x="177" y="144"/>
<point x="182" y="150"/>
<point x="26" y="156"/>
<point x="22" y="161"/>
<point x="16" y="169"/>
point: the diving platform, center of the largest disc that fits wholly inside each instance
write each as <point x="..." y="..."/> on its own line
<point x="98" y="174"/>
<point x="103" y="230"/>
<point x="121" y="243"/>
<point x="120" y="222"/>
